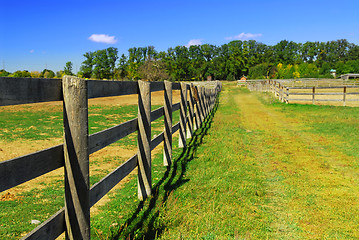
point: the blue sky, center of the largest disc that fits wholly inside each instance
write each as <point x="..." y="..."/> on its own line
<point x="36" y="34"/>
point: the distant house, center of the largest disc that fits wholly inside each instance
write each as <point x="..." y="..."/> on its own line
<point x="349" y="76"/>
<point x="243" y="78"/>
<point x="333" y="72"/>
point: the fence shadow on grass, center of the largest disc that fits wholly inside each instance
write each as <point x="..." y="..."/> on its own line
<point x="145" y="222"/>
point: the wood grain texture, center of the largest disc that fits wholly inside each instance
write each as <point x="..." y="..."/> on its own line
<point x="108" y="136"/>
<point x="104" y="88"/>
<point x="77" y="182"/>
<point x="144" y="140"/>
<point x="29" y="90"/>
<point x="168" y="108"/>
<point x="183" y="116"/>
<point x="22" y="169"/>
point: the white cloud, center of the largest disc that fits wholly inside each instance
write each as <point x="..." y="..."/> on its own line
<point x="103" y="38"/>
<point x="244" y="36"/>
<point x="194" y="42"/>
<point x="32" y="51"/>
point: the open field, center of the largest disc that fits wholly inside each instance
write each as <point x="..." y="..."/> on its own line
<point x="258" y="169"/>
<point x="268" y="170"/>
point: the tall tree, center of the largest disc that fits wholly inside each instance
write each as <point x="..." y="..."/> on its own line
<point x="87" y="65"/>
<point x="68" y="68"/>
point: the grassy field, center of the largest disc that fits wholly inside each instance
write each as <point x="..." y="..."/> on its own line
<point x="28" y="128"/>
<point x="265" y="170"/>
<point x="257" y="169"/>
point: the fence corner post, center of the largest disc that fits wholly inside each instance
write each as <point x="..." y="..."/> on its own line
<point x="144" y="140"/>
<point x="167" y="142"/>
<point x="77" y="184"/>
<point x="183" y="116"/>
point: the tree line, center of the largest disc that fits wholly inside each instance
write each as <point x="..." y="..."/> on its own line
<point x="230" y="61"/>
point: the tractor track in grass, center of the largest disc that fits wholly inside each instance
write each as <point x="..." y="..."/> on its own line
<point x="312" y="185"/>
<point x="267" y="170"/>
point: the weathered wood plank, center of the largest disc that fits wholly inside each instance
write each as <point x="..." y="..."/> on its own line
<point x="175" y="128"/>
<point x="190" y="105"/>
<point x="318" y="100"/>
<point x="50" y="229"/>
<point x="29" y="90"/>
<point x="102" y="187"/>
<point x="156" y="86"/>
<point x="104" y="88"/>
<point x="21" y="169"/>
<point x="156" y="114"/>
<point x="167" y="144"/>
<point x="157" y="140"/>
<point x="316" y="93"/>
<point x="176" y="107"/>
<point x="176" y="86"/>
<point x="323" y="87"/>
<point x="328" y="100"/>
<point x="108" y="136"/>
<point x="183" y="114"/>
<point x="77" y="182"/>
<point x="144" y="140"/>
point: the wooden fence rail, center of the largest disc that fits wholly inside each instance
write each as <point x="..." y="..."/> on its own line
<point x="311" y="94"/>
<point x="73" y="154"/>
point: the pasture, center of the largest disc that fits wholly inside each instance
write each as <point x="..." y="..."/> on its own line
<point x="33" y="127"/>
<point x="258" y="169"/>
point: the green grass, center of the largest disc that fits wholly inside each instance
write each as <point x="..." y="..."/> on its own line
<point x="289" y="173"/>
<point x="334" y="122"/>
<point x="37" y="204"/>
<point x="202" y="196"/>
<point x="30" y="124"/>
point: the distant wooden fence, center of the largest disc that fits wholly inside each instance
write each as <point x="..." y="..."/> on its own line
<point x="73" y="154"/>
<point x="313" y="91"/>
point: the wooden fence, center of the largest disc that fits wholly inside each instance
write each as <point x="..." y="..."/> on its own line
<point x="73" y="154"/>
<point x="320" y="91"/>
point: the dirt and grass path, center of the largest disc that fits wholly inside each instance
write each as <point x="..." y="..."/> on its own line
<point x="270" y="170"/>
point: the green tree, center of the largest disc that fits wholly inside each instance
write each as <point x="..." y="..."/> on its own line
<point x="4" y="73"/>
<point x="46" y="73"/>
<point x="86" y="68"/>
<point x="21" y="74"/>
<point x="260" y="71"/>
<point x="121" y="71"/>
<point x="68" y="68"/>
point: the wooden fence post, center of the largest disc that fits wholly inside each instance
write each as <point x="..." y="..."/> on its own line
<point x="344" y="96"/>
<point x="198" y="111"/>
<point x="77" y="184"/>
<point x="211" y="94"/>
<point x="191" y="113"/>
<point x="183" y="116"/>
<point x="287" y="100"/>
<point x="205" y="100"/>
<point x="144" y="140"/>
<point x="167" y="142"/>
<point x="313" y="96"/>
<point x="201" y="97"/>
